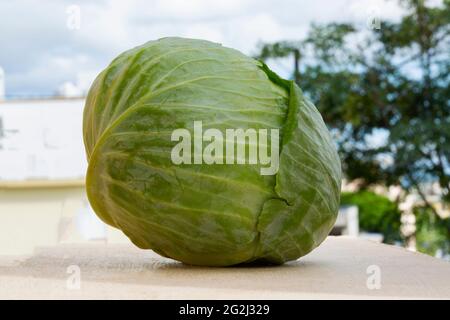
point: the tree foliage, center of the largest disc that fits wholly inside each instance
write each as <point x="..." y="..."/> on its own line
<point x="385" y="94"/>
<point x="391" y="82"/>
<point x="376" y="214"/>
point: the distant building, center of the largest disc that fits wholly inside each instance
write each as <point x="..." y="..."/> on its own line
<point x="2" y="84"/>
<point x="42" y="167"/>
<point x="41" y="139"/>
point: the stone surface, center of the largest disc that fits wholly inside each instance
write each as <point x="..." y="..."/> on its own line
<point x="340" y="268"/>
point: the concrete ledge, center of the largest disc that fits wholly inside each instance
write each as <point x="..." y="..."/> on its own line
<point x="341" y="268"/>
<point x="34" y="184"/>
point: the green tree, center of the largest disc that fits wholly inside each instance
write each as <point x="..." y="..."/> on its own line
<point x="432" y="232"/>
<point x="376" y="214"/>
<point x="394" y="81"/>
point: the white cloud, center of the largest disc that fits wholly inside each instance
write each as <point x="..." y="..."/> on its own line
<point x="39" y="52"/>
<point x="361" y="11"/>
<point x="195" y="10"/>
<point x="203" y="31"/>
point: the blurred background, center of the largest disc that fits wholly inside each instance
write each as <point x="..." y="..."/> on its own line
<point x="378" y="71"/>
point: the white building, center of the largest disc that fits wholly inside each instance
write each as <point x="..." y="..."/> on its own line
<point x="42" y="169"/>
<point x="41" y="139"/>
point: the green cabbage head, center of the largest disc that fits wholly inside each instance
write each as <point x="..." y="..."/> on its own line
<point x="207" y="214"/>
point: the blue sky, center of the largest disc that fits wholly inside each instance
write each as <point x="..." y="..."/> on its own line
<point x="40" y="53"/>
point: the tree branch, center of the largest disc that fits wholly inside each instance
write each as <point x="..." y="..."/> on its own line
<point x="422" y="195"/>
